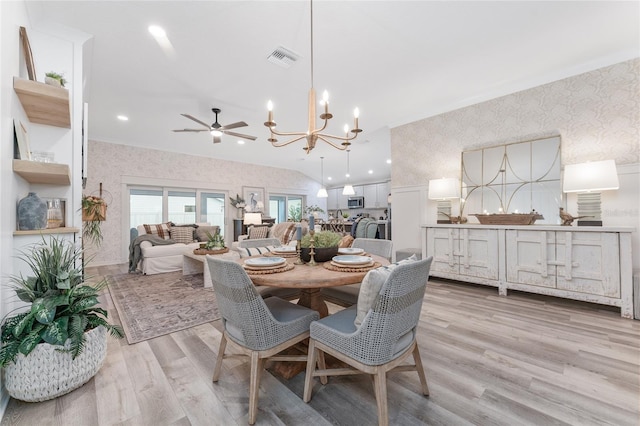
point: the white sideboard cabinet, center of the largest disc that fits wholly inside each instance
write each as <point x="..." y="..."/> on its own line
<point x="591" y="264"/>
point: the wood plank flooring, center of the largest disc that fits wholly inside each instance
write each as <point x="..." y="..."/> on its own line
<point x="519" y="360"/>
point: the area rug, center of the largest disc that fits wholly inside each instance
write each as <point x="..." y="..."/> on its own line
<point x="153" y="305"/>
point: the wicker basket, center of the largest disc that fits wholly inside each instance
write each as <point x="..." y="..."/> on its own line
<point x="508" y="219"/>
<point x="48" y="373"/>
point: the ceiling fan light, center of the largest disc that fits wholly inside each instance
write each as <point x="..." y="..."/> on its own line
<point x="216" y="133"/>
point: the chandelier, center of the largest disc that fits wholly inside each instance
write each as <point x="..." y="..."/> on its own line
<point x="312" y="134"/>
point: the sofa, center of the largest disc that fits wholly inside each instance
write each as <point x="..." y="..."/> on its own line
<point x="161" y="246"/>
<point x="284" y="232"/>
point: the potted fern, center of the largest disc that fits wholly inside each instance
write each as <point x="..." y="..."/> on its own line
<point x="325" y="245"/>
<point x="58" y="342"/>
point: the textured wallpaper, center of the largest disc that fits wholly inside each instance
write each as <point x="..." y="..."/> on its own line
<point x="597" y="115"/>
<point x="109" y="163"/>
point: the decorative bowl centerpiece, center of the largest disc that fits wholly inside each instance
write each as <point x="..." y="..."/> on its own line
<point x="509" y="218"/>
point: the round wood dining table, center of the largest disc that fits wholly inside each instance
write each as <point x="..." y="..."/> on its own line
<point x="310" y="280"/>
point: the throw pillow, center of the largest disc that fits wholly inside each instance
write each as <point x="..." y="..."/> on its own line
<point x="256" y="232"/>
<point x="371" y="286"/>
<point x="160" y="229"/>
<point x="346" y="241"/>
<point x="182" y="234"/>
<point x="254" y="251"/>
<point x="201" y="232"/>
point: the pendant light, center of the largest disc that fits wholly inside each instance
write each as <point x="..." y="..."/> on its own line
<point x="322" y="192"/>
<point x="348" y="188"/>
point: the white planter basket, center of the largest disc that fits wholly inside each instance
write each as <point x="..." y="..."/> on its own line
<point x="48" y="373"/>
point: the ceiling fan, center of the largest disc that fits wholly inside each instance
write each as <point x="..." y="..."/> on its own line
<point x="216" y="129"/>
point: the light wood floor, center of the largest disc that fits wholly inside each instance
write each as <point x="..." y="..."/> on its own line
<point x="490" y="360"/>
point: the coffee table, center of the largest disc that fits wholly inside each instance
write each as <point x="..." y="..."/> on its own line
<point x="196" y="264"/>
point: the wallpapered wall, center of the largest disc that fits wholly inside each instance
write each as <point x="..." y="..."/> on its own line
<point x="597" y="115"/>
<point x="112" y="164"/>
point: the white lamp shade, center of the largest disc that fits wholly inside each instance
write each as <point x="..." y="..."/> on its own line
<point x="348" y="190"/>
<point x="253" y="218"/>
<point x="591" y="176"/>
<point x="322" y="193"/>
<point x="445" y="188"/>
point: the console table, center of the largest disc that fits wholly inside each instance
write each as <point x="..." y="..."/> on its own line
<point x="591" y="264"/>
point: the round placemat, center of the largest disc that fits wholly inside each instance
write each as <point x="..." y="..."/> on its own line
<point x="286" y="267"/>
<point x="205" y="251"/>
<point x="329" y="266"/>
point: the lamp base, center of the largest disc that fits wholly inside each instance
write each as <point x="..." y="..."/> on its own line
<point x="444" y="221"/>
<point x="589" y="223"/>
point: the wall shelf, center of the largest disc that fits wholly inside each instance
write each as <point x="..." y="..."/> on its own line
<point x="48" y="173"/>
<point x="47" y="231"/>
<point x="43" y="103"/>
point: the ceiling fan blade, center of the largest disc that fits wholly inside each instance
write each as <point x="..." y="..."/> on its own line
<point x="190" y="117"/>
<point x="190" y="130"/>
<point x="234" y="125"/>
<point x="217" y="139"/>
<point x="239" y="135"/>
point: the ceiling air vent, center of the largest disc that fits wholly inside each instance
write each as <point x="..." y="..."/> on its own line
<point x="283" y="57"/>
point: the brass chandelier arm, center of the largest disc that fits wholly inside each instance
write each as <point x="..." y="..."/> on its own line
<point x="279" y="144"/>
<point x="341" y="147"/>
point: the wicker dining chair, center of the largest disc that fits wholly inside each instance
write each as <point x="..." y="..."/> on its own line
<point x="259" y="328"/>
<point x="347" y="295"/>
<point x="380" y="344"/>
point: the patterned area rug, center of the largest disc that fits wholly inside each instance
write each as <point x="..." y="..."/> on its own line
<point x="153" y="305"/>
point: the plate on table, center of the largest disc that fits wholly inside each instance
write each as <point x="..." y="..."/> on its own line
<point x="265" y="262"/>
<point x="284" y="249"/>
<point x="352" y="260"/>
<point x="350" y="250"/>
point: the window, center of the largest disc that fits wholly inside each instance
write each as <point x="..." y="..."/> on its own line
<point x="145" y="206"/>
<point x="181" y="207"/>
<point x="212" y="208"/>
<point x="285" y="207"/>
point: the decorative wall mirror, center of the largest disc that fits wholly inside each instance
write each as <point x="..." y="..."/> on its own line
<point x="513" y="178"/>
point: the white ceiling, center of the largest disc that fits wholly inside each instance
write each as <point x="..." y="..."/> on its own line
<point x="398" y="61"/>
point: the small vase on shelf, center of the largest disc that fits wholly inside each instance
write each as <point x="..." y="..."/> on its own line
<point x="32" y="213"/>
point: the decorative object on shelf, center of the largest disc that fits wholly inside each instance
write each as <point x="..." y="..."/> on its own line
<point x="54" y="79"/>
<point x="59" y="343"/>
<point x="55" y="214"/>
<point x="94" y="212"/>
<point x="509" y="218"/>
<point x="313" y="133"/>
<point x="319" y="246"/>
<point x="454" y="219"/>
<point x="348" y="188"/>
<point x="22" y="139"/>
<point x="322" y="192"/>
<point x="444" y="190"/>
<point x="238" y="203"/>
<point x="567" y="219"/>
<point x="32" y="213"/>
<point x="28" y="55"/>
<point x="588" y="180"/>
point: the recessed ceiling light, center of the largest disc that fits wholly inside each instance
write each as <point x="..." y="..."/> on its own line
<point x="123" y="118"/>
<point x="389" y="161"/>
<point x="370" y="172"/>
<point x="347" y="175"/>
<point x="157" y="31"/>
<point x="240" y="142"/>
<point x="329" y="178"/>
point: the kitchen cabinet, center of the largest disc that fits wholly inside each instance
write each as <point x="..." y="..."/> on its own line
<point x="332" y="199"/>
<point x="370" y="196"/>
<point x="591" y="264"/>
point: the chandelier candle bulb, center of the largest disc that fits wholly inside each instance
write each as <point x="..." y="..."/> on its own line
<point x="270" y="109"/>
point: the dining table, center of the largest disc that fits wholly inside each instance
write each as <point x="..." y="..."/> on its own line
<point x="312" y="279"/>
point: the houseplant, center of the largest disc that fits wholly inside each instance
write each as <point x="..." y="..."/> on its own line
<point x="54" y="79"/>
<point x="59" y="342"/>
<point x="94" y="211"/>
<point x="325" y="245"/>
<point x="215" y="242"/>
<point x="313" y="210"/>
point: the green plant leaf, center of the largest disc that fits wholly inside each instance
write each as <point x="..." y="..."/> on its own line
<point x="84" y="304"/>
<point x="56" y="333"/>
<point x="43" y="311"/>
<point x="31" y="340"/>
<point x="25" y="323"/>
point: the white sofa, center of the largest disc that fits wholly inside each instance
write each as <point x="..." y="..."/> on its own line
<point x="157" y="259"/>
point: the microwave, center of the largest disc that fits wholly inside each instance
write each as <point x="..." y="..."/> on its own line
<point x="355" y="202"/>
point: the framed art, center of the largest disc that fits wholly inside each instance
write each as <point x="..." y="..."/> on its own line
<point x="24" y="152"/>
<point x="253" y="199"/>
<point x="28" y="55"/>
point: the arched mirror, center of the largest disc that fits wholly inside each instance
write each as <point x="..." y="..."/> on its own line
<point x="513" y="178"/>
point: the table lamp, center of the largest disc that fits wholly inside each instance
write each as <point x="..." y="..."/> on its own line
<point x="444" y="190"/>
<point x="588" y="180"/>
<point x="252" y="219"/>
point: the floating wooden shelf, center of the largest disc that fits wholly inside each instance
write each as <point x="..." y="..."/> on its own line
<point x="43" y="103"/>
<point x="49" y="173"/>
<point x="48" y="231"/>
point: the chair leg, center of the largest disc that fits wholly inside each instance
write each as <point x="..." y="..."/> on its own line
<point x="380" y="381"/>
<point x="311" y="366"/>
<point x="254" y="386"/>
<point x="420" y="369"/>
<point x="322" y="365"/>
<point x="218" y="366"/>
